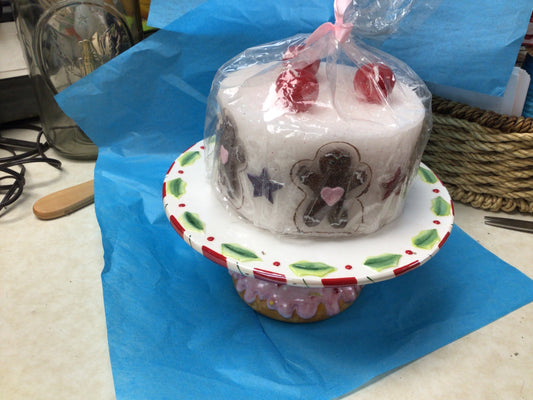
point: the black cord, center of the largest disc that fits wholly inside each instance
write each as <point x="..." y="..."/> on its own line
<point x="22" y="152"/>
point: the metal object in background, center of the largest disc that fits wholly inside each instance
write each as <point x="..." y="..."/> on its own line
<point x="510" y="223"/>
<point x="64" y="41"/>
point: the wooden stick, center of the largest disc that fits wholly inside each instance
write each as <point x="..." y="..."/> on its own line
<point x="65" y="201"/>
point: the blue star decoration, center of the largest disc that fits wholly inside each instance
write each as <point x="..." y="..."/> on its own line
<point x="263" y="186"/>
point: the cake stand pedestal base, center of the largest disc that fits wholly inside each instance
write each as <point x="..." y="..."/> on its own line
<point x="294" y="303"/>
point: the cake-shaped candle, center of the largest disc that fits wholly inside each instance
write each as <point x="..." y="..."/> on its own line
<point x="316" y="135"/>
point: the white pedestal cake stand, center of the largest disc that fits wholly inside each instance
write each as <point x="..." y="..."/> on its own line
<point x="401" y="246"/>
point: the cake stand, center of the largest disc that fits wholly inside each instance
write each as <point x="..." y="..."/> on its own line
<point x="204" y="223"/>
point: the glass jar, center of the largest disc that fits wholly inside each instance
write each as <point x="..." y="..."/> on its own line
<point x="63" y="41"/>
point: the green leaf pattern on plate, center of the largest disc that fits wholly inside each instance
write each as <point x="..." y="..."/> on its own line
<point x="383" y="261"/>
<point x="303" y="268"/>
<point x="191" y="221"/>
<point x="426" y="239"/>
<point x="189" y="158"/>
<point x="238" y="252"/>
<point x="427" y="176"/>
<point x="440" y="207"/>
<point x="176" y="187"/>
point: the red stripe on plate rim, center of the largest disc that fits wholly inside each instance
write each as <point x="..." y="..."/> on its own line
<point x="441" y="243"/>
<point x="269" y="275"/>
<point x="214" y="256"/>
<point x="177" y="226"/>
<point x="337" y="282"/>
<point x="172" y="166"/>
<point x="408" y="267"/>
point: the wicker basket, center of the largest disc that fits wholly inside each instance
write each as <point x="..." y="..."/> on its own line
<point x="485" y="159"/>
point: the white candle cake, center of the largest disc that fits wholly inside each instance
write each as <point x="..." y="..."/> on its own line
<point x="330" y="163"/>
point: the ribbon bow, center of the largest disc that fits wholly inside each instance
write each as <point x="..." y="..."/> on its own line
<point x="339" y="28"/>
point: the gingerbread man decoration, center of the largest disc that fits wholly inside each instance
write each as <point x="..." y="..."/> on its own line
<point x="332" y="182"/>
<point x="231" y="161"/>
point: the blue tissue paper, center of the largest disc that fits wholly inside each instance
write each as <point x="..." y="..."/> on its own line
<point x="458" y="43"/>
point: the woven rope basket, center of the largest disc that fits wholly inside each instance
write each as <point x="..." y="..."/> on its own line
<point x="484" y="159"/>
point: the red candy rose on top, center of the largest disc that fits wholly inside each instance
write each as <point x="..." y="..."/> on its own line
<point x="374" y="82"/>
<point x="297" y="89"/>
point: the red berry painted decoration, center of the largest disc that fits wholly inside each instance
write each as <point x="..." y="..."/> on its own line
<point x="374" y="82"/>
<point x="294" y="50"/>
<point x="297" y="89"/>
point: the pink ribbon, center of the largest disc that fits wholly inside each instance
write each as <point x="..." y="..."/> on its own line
<point x="340" y="28"/>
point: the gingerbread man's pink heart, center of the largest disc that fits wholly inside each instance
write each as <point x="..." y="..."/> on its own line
<point x="224" y="155"/>
<point x="331" y="195"/>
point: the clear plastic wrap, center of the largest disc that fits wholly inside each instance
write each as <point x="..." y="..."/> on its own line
<point x="317" y="135"/>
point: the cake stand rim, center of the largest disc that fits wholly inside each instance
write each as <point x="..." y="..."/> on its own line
<point x="270" y="274"/>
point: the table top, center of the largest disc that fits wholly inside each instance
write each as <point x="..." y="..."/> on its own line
<point x="53" y="340"/>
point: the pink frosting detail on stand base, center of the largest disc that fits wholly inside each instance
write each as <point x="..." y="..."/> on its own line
<point x="286" y="299"/>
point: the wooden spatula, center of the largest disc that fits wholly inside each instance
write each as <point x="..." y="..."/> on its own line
<point x="65" y="201"/>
